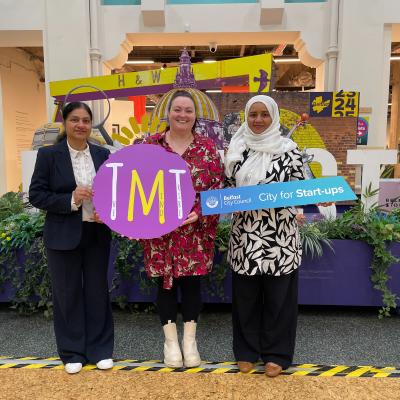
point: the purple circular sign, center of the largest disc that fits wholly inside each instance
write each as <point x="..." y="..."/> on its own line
<point x="143" y="191"/>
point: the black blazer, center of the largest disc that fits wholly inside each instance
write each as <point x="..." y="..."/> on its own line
<point x="51" y="190"/>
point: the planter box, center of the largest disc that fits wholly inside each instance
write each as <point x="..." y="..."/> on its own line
<point x="6" y="293"/>
<point x="342" y="277"/>
<point x="337" y="278"/>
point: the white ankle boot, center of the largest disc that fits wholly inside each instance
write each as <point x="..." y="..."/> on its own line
<point x="172" y="351"/>
<point x="191" y="355"/>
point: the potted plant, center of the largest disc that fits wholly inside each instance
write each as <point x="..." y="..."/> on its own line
<point x="359" y="267"/>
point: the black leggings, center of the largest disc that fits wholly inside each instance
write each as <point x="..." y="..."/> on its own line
<point x="167" y="299"/>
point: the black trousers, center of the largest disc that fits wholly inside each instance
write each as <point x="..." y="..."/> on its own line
<point x="264" y="317"/>
<point x="191" y="304"/>
<point x="83" y="322"/>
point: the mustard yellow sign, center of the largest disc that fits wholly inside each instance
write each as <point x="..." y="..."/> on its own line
<point x="334" y="104"/>
<point x="345" y="104"/>
<point x="253" y="71"/>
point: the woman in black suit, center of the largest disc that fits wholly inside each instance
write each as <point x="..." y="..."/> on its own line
<point x="77" y="243"/>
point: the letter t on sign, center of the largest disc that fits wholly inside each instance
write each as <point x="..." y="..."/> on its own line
<point x="371" y="161"/>
<point x="114" y="166"/>
<point x="177" y="173"/>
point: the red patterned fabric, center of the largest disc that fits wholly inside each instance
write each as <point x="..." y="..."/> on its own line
<point x="189" y="250"/>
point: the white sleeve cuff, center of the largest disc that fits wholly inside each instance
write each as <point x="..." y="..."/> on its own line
<point x="74" y="207"/>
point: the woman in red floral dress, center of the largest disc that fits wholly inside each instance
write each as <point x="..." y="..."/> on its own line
<point x="182" y="256"/>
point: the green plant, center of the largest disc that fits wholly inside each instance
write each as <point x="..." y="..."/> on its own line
<point x="312" y="239"/>
<point x="11" y="203"/>
<point x="129" y="264"/>
<point x="129" y="267"/>
<point x="18" y="231"/>
<point x="387" y="172"/>
<point x="376" y="228"/>
<point x="214" y="281"/>
<point x="22" y="233"/>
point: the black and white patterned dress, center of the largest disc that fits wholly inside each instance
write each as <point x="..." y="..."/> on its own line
<point x="267" y="241"/>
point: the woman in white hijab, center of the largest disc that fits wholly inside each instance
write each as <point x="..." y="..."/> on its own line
<point x="264" y="248"/>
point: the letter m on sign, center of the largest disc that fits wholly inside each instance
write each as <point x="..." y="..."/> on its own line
<point x="146" y="205"/>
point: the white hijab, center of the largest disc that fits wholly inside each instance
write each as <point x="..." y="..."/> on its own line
<point x="266" y="145"/>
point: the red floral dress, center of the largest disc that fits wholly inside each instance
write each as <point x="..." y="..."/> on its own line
<point x="189" y="250"/>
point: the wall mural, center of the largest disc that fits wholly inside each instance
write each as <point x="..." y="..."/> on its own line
<point x="322" y="120"/>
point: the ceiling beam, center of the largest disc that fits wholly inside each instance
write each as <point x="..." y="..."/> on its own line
<point x="202" y="39"/>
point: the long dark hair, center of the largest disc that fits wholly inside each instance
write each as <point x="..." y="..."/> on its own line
<point x="67" y="109"/>
<point x="183" y="93"/>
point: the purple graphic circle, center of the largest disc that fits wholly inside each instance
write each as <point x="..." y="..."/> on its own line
<point x="156" y="168"/>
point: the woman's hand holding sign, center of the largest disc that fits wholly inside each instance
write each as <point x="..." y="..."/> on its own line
<point x="81" y="193"/>
<point x="325" y="204"/>
<point x="96" y="218"/>
<point x="192" y="217"/>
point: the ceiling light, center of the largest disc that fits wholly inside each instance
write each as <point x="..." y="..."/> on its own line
<point x="209" y="61"/>
<point x="395" y="58"/>
<point x="287" y="60"/>
<point x="139" y="62"/>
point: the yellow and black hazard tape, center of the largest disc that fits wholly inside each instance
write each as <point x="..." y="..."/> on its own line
<point x="365" y="371"/>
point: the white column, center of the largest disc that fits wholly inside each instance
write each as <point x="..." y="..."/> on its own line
<point x="364" y="60"/>
<point x="332" y="52"/>
<point x="395" y="109"/>
<point x="66" y="42"/>
<point x="95" y="54"/>
<point x="394" y="135"/>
